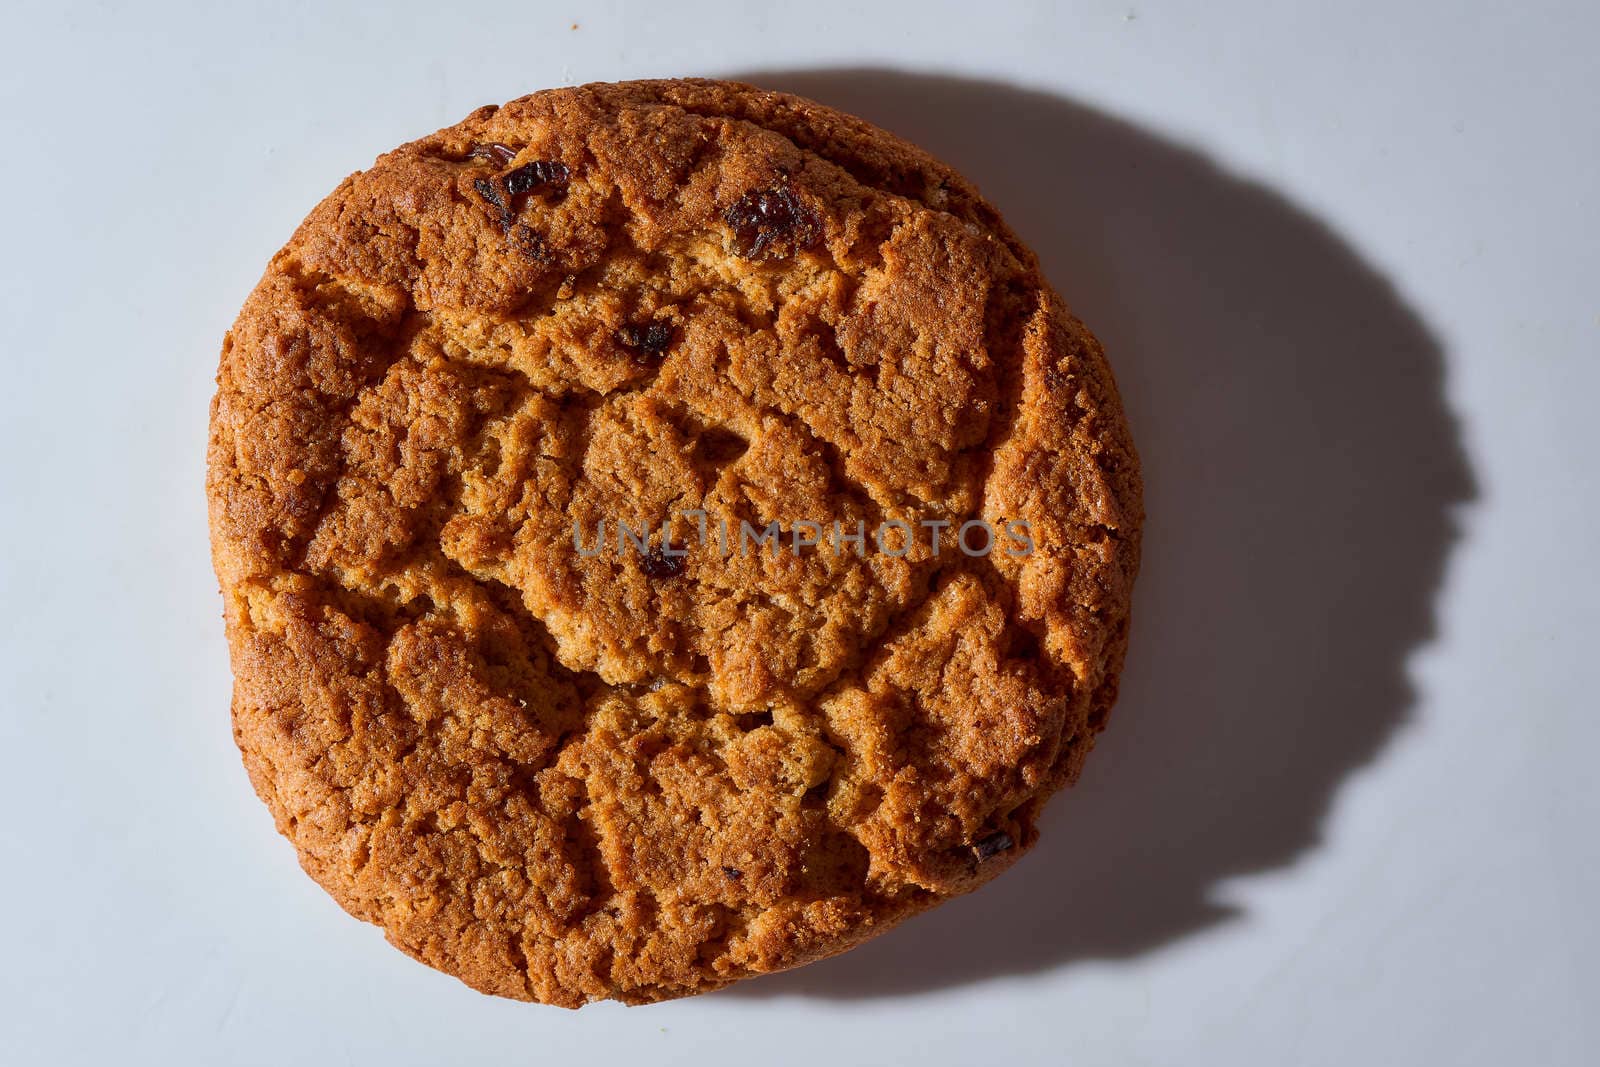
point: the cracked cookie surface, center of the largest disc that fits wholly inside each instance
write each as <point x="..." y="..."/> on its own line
<point x="566" y="775"/>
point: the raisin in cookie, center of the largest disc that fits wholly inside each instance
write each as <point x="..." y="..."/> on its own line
<point x="598" y="490"/>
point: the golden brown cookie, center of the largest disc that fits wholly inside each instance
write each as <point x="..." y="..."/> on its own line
<point x="575" y="476"/>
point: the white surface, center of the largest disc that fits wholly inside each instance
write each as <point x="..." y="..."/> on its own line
<point x="1346" y="812"/>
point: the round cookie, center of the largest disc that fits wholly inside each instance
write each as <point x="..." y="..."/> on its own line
<point x="566" y="761"/>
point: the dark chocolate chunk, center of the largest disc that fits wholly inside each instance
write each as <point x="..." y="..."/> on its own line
<point x="769" y="223"/>
<point x="508" y="193"/>
<point x="536" y="175"/>
<point x="490" y="190"/>
<point x="733" y="872"/>
<point x="528" y="242"/>
<point x="649" y="340"/>
<point x="657" y="564"/>
<point x="992" y="845"/>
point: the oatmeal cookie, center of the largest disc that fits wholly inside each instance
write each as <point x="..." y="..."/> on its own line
<point x="599" y="490"/>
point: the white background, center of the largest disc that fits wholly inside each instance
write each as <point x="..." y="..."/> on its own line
<point x="1344" y="259"/>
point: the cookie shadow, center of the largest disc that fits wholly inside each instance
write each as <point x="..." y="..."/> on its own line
<point x="1303" y="474"/>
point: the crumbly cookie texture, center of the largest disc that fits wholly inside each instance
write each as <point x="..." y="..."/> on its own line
<point x="567" y="777"/>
